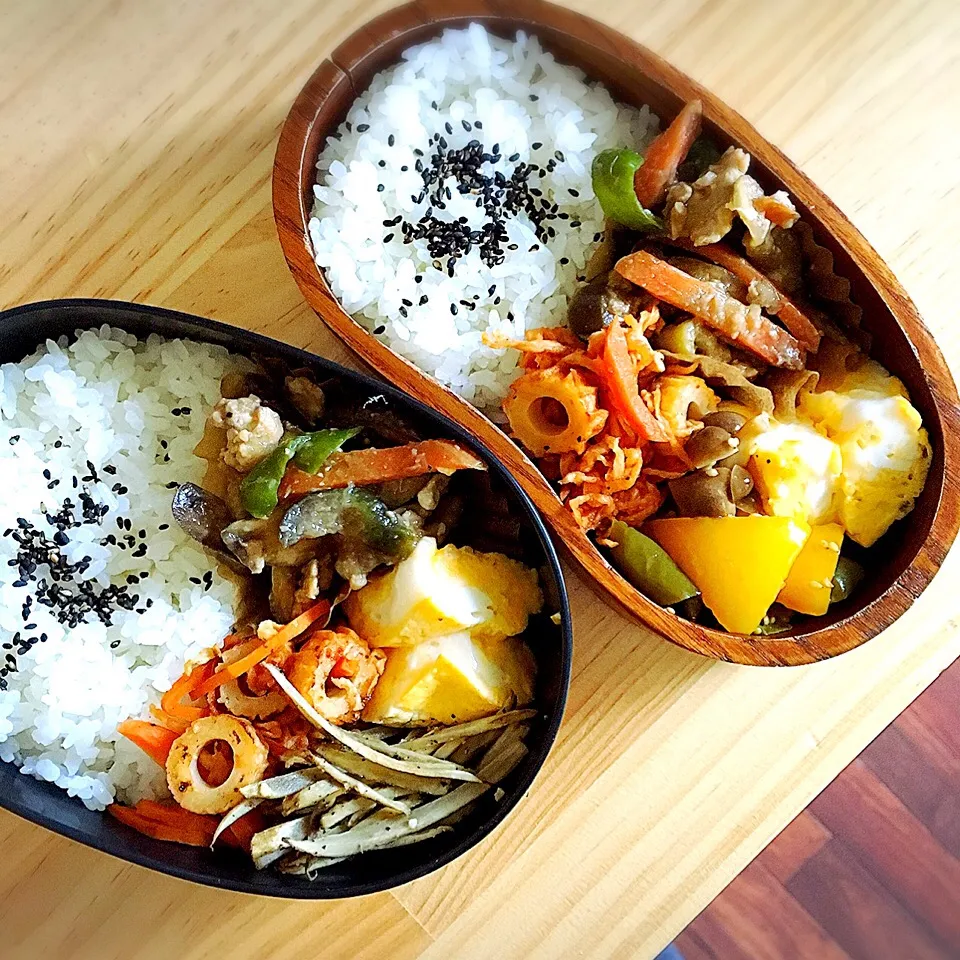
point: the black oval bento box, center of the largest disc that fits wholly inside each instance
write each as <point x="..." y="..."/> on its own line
<point x="22" y="330"/>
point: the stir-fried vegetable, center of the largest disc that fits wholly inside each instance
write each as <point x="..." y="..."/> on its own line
<point x="665" y="154"/>
<point x="354" y="512"/>
<point x="745" y="326"/>
<point x="612" y="175"/>
<point x="151" y="738"/>
<point x="237" y="668"/>
<point x="379" y="465"/>
<point x="258" y="490"/>
<point x="846" y="578"/>
<point x="649" y="567"/>
<point x="774" y="300"/>
<point x="621" y="380"/>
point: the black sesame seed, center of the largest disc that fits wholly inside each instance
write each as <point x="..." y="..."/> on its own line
<point x="391" y="140"/>
<point x="423" y="299"/>
<point x="536" y="145"/>
<point x="381" y="163"/>
<point x="363" y="127"/>
<point x="114" y="644"/>
<point x="380" y="188"/>
<point x="448" y="127"/>
<point x="379" y="329"/>
<point x="388" y="238"/>
<point x="453" y="309"/>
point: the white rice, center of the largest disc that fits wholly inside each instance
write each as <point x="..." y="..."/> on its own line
<point x="469" y="75"/>
<point x="108" y="398"/>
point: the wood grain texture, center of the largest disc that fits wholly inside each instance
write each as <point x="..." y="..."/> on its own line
<point x="138" y="141"/>
<point x="882" y="880"/>
<point x="635" y="74"/>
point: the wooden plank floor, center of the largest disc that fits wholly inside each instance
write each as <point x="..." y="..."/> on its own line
<point x="871" y="869"/>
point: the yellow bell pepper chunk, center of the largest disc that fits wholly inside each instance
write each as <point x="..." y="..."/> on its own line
<point x="739" y="564"/>
<point x="809" y="582"/>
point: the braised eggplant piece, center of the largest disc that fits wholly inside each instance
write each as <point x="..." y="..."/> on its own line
<point x="256" y="544"/>
<point x="202" y="515"/>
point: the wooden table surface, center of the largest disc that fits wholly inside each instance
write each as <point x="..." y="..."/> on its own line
<point x="137" y="140"/>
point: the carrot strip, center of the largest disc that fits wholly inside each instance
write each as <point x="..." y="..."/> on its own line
<point x="665" y="154"/>
<point x="621" y="380"/>
<point x="173" y="703"/>
<point x="238" y="668"/>
<point x="379" y="464"/>
<point x="792" y="316"/>
<point x="166" y="822"/>
<point x="745" y="326"/>
<point x="151" y="738"/>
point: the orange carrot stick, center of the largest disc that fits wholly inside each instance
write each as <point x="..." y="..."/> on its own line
<point x="665" y="154"/>
<point x="379" y="464"/>
<point x="621" y="380"/>
<point x="151" y="738"/>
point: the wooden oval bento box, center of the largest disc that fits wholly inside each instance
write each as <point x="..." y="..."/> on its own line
<point x="916" y="547"/>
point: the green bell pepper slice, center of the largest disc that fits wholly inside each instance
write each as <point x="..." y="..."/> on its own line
<point x="649" y="567"/>
<point x="846" y="578"/>
<point x="259" y="488"/>
<point x="612" y="175"/>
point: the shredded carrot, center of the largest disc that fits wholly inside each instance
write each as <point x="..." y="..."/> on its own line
<point x="151" y="738"/>
<point x="379" y="464"/>
<point x="165" y="720"/>
<point x="173" y="702"/>
<point x="624" y="394"/>
<point x="238" y="668"/>
<point x="665" y="154"/>
<point x="167" y="822"/>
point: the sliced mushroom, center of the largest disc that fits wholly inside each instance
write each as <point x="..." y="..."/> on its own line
<point x="709" y="445"/>
<point x="705" y="493"/>
<point x="283" y="588"/>
<point x="725" y="419"/>
<point x="741" y="483"/>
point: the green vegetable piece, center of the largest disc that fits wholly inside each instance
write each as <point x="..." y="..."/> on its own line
<point x="258" y="489"/>
<point x="648" y="566"/>
<point x="353" y="512"/>
<point x="846" y="579"/>
<point x="612" y="175"/>
<point x="316" y="447"/>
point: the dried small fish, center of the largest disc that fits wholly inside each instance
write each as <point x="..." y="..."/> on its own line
<point x="276" y="788"/>
<point x="377" y="834"/>
<point x="359" y="787"/>
<point x="422" y="766"/>
<point x="462" y="730"/>
<point x="317" y="796"/>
